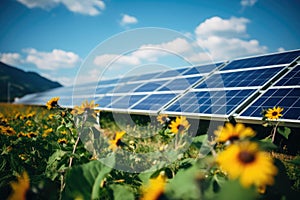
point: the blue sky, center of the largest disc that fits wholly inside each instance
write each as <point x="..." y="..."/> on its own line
<point x="56" y="37"/>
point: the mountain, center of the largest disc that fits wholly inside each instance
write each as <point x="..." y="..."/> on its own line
<point x="18" y="83"/>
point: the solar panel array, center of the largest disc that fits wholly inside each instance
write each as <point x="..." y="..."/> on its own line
<point x="240" y="88"/>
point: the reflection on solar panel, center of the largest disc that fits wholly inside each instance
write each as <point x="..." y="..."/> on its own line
<point x="240" y="88"/>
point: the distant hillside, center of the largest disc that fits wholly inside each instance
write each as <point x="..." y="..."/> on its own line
<point x="21" y="83"/>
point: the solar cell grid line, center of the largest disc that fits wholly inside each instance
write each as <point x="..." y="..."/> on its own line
<point x="221" y="102"/>
<point x="246" y="78"/>
<point x="291" y="78"/>
<point x="180" y="84"/>
<point x="172" y="73"/>
<point x="153" y="102"/>
<point x="126" y="101"/>
<point x="150" y="86"/>
<point x="105" y="101"/>
<point x="202" y="69"/>
<point x="264" y="60"/>
<point x="287" y="98"/>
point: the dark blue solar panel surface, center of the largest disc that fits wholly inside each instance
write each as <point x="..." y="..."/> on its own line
<point x="287" y="98"/>
<point x="154" y="102"/>
<point x="210" y="102"/>
<point x="105" y="101"/>
<point x="104" y="90"/>
<point x="171" y="73"/>
<point x="126" y="101"/>
<point x="180" y="84"/>
<point x="150" y="87"/>
<point x="125" y="88"/>
<point x="274" y="59"/>
<point x="201" y="69"/>
<point x="240" y="78"/>
<point x="291" y="78"/>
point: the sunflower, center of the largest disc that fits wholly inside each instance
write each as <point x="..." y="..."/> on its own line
<point x="231" y="133"/>
<point x="274" y="113"/>
<point x="47" y="132"/>
<point x="163" y="118"/>
<point x="155" y="188"/>
<point x="116" y="141"/>
<point x="245" y="161"/>
<point x="52" y="103"/>
<point x="62" y="141"/>
<point x="85" y="107"/>
<point x="179" y="125"/>
<point x="20" y="188"/>
<point x="9" y="131"/>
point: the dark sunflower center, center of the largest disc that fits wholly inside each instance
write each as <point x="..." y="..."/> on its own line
<point x="163" y="119"/>
<point x="53" y="103"/>
<point x="119" y="142"/>
<point x="274" y="113"/>
<point x="246" y="157"/>
<point x="233" y="138"/>
<point x="180" y="127"/>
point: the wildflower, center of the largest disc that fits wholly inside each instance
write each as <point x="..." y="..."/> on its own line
<point x="47" y="132"/>
<point x="52" y="102"/>
<point x="231" y="133"/>
<point x="85" y="107"/>
<point x="163" y="118"/>
<point x="62" y="141"/>
<point x="9" y="131"/>
<point x="116" y="141"/>
<point x="28" y="123"/>
<point x="274" y="113"/>
<point x="155" y="188"/>
<point x="245" y="161"/>
<point x="21" y="134"/>
<point x="51" y="116"/>
<point x="63" y="132"/>
<point x="31" y="134"/>
<point x="20" y="188"/>
<point x="30" y="115"/>
<point x="179" y="125"/>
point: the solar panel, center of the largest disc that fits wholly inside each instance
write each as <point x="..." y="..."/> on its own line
<point x="125" y="102"/>
<point x="154" y="102"/>
<point x="180" y="84"/>
<point x="266" y="60"/>
<point x="222" y="102"/>
<point x="202" y="69"/>
<point x="292" y="78"/>
<point x="287" y="98"/>
<point x="245" y="78"/>
<point x="284" y="93"/>
<point x="241" y="88"/>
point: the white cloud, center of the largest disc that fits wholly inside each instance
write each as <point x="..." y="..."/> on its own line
<point x="222" y="27"/>
<point x="127" y="19"/>
<point x="147" y="52"/>
<point x="249" y="3"/>
<point x="56" y="59"/>
<point x="86" y="7"/>
<point x="13" y="59"/>
<point x="227" y="38"/>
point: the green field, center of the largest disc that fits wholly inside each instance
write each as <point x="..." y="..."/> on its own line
<point x="58" y="153"/>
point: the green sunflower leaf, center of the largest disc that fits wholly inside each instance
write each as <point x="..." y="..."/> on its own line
<point x="85" y="180"/>
<point x="284" y="131"/>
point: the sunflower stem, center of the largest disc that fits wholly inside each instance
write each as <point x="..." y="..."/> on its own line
<point x="274" y="132"/>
